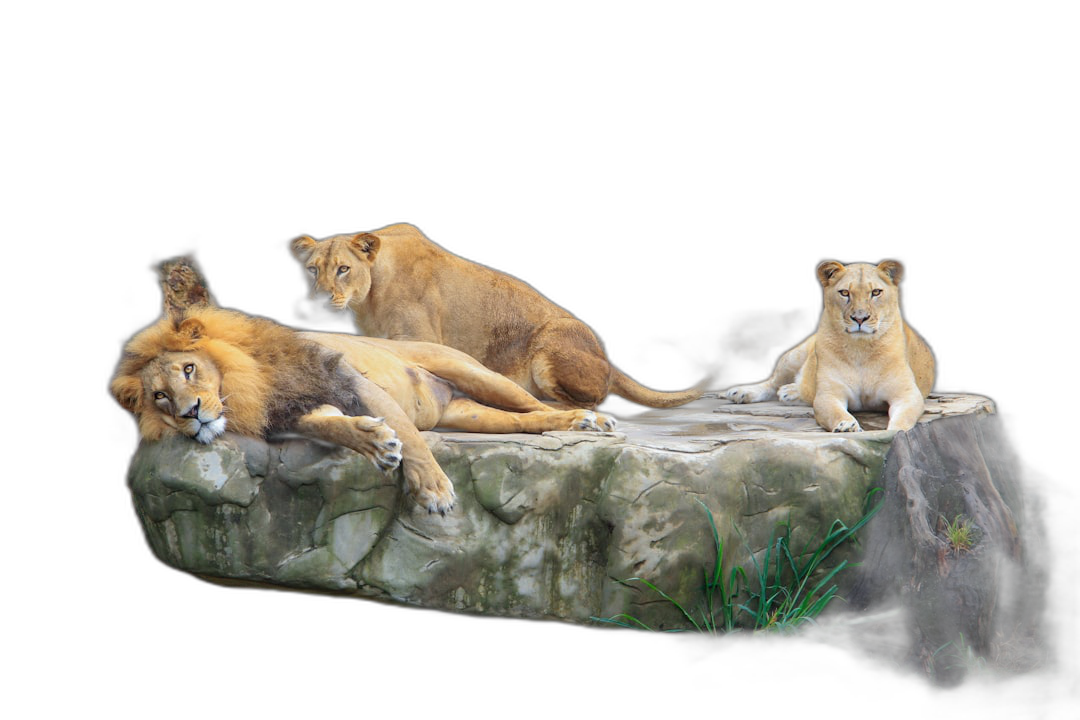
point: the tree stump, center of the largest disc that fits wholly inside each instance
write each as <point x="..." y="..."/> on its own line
<point x="954" y="596"/>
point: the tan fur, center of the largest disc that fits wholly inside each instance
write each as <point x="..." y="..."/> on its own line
<point x="234" y="366"/>
<point x="402" y="286"/>
<point x="863" y="356"/>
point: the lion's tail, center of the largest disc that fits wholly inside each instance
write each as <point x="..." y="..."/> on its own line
<point x="626" y="387"/>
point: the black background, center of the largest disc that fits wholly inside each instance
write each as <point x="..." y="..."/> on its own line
<point x="684" y="227"/>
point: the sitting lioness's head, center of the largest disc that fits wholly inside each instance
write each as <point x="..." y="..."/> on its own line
<point x="340" y="265"/>
<point x="862" y="299"/>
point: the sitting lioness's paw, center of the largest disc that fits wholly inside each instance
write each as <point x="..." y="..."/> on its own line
<point x="851" y="425"/>
<point x="748" y="394"/>
<point x="789" y="394"/>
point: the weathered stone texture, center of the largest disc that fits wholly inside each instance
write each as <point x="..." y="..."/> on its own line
<point x="544" y="526"/>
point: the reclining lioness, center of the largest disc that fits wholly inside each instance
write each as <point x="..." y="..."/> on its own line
<point x="402" y="286"/>
<point x="863" y="356"/>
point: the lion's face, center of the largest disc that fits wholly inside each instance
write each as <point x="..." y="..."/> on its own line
<point x="182" y="391"/>
<point x="862" y="299"/>
<point x="340" y="266"/>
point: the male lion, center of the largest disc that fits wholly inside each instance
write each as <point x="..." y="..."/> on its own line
<point x="402" y="286"/>
<point x="863" y="356"/>
<point x="201" y="369"/>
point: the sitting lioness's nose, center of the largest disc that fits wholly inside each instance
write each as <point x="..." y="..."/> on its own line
<point x="860" y="318"/>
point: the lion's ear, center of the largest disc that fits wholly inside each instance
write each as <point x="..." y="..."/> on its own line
<point x="826" y="270"/>
<point x="127" y="390"/>
<point x="891" y="269"/>
<point x="191" y="329"/>
<point x="302" y="247"/>
<point x="367" y="244"/>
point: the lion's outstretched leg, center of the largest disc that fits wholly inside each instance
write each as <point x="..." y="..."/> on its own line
<point x="465" y="414"/>
<point x="371" y="437"/>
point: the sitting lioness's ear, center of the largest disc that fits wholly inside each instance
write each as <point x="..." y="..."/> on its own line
<point x="826" y="270"/>
<point x="892" y="269"/>
<point x="366" y="243"/>
<point x="302" y="246"/>
<point x="128" y="392"/>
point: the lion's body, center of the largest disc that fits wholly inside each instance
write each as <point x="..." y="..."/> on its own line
<point x="400" y="285"/>
<point x="202" y="370"/>
<point x="863" y="357"/>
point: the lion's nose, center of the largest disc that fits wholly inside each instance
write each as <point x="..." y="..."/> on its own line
<point x="859" y="318"/>
<point x="194" y="411"/>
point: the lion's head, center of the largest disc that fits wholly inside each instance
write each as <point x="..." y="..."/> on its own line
<point x="861" y="299"/>
<point x="193" y="377"/>
<point x="340" y="266"/>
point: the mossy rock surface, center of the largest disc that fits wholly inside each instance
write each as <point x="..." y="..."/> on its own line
<point x="545" y="526"/>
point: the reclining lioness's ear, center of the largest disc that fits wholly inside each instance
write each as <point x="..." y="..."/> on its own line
<point x="366" y="243"/>
<point x="892" y="269"/>
<point x="826" y="270"/>
<point x="302" y="246"/>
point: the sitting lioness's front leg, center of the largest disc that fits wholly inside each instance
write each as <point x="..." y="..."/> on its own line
<point x="371" y="437"/>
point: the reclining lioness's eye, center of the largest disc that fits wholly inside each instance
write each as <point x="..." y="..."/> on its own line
<point x="343" y="269"/>
<point x="313" y="270"/>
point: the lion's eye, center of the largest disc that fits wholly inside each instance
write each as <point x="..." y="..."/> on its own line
<point x="343" y="269"/>
<point x="876" y="292"/>
<point x="159" y="395"/>
<point x="313" y="270"/>
<point x="844" y="293"/>
<point x="189" y="369"/>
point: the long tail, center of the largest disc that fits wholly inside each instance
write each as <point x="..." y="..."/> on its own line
<point x="625" y="386"/>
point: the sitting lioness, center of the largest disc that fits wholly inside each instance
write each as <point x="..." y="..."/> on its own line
<point x="201" y="370"/>
<point x="862" y="357"/>
<point x="402" y="286"/>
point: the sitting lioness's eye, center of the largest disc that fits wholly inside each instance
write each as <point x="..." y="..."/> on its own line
<point x="343" y="269"/>
<point x="844" y="293"/>
<point x="877" y="292"/>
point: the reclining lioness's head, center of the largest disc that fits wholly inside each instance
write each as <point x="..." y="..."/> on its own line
<point x="861" y="299"/>
<point x="340" y="266"/>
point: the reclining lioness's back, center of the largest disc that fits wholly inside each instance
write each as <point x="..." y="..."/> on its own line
<point x="402" y="286"/>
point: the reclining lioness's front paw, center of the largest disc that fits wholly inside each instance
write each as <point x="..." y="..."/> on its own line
<point x="749" y="394"/>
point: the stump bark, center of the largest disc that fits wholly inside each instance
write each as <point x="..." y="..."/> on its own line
<point x="953" y="599"/>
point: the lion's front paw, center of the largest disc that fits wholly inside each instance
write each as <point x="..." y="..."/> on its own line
<point x="749" y="394"/>
<point x="851" y="425"/>
<point x="789" y="394"/>
<point x="432" y="491"/>
<point x="384" y="447"/>
<point x="588" y="420"/>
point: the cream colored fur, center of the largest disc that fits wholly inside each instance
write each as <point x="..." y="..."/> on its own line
<point x="400" y="285"/>
<point x="863" y="357"/>
<point x="202" y="370"/>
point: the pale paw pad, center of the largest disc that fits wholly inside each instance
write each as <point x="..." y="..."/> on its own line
<point x="789" y="394"/>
